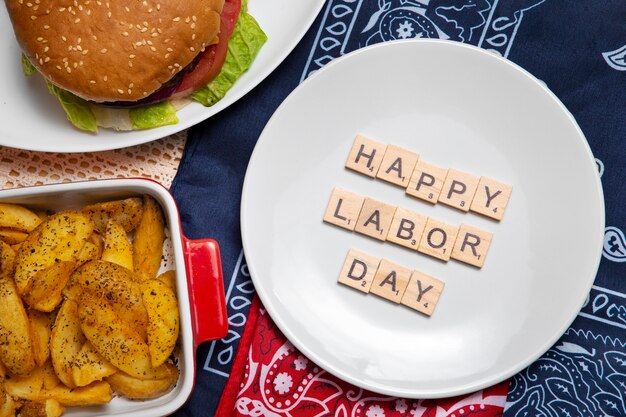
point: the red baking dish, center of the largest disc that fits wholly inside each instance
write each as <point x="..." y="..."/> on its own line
<point x="198" y="268"/>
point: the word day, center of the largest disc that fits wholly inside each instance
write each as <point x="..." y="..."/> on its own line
<point x="393" y="282"/>
<point x="407" y="228"/>
<point x="429" y="182"/>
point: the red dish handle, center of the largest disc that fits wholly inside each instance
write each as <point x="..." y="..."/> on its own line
<point x="206" y="289"/>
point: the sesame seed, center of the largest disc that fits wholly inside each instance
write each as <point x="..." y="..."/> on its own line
<point x="193" y="37"/>
<point x="130" y="91"/>
<point x="192" y="49"/>
<point x="68" y="69"/>
<point x="47" y="59"/>
<point x="124" y="33"/>
<point x="109" y="15"/>
<point x="193" y="25"/>
<point x="153" y="49"/>
<point x="176" y="19"/>
<point x="59" y="67"/>
<point x="64" y="38"/>
<point x="85" y="52"/>
<point x="77" y="20"/>
<point x="188" y="19"/>
<point x="40" y="61"/>
<point x="75" y="65"/>
<point x="131" y="56"/>
<point x="103" y="50"/>
<point x="119" y="90"/>
<point x="127" y="9"/>
<point x="92" y="81"/>
<point x="46" y="49"/>
<point x="39" y="39"/>
<point x="105" y="78"/>
<point x="130" y="64"/>
<point x="158" y="6"/>
<point x="167" y="55"/>
<point x="46" y="27"/>
<point x="33" y="17"/>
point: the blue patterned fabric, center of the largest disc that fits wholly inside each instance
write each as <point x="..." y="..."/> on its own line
<point x="577" y="48"/>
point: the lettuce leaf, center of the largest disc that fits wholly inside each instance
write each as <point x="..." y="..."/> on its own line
<point x="76" y="109"/>
<point x="28" y="68"/>
<point x="245" y="43"/>
<point x="153" y="115"/>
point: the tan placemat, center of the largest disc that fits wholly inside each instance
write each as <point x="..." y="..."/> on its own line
<point x="157" y="160"/>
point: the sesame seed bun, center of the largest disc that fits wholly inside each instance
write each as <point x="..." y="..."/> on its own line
<point x="113" y="50"/>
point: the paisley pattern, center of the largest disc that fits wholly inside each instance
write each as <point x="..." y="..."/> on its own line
<point x="279" y="381"/>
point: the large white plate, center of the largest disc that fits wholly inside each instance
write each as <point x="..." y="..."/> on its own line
<point x="30" y="118"/>
<point x="459" y="107"/>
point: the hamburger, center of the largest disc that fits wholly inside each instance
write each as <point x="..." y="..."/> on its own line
<point x="130" y="64"/>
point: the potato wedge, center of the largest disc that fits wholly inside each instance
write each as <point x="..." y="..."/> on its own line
<point x="168" y="278"/>
<point x="9" y="406"/>
<point x="16" y="350"/>
<point x="12" y="236"/>
<point x="26" y="387"/>
<point x="45" y="408"/>
<point x="138" y="389"/>
<point x="7" y="259"/>
<point x="126" y="212"/>
<point x="93" y="394"/>
<point x="163" y="319"/>
<point x="89" y="252"/>
<point x="117" y="284"/>
<point x="117" y="342"/>
<point x="50" y="378"/>
<point x="148" y="240"/>
<point x="66" y="341"/>
<point x="40" y="330"/>
<point x="46" y="288"/>
<point x="18" y="217"/>
<point x="89" y="366"/>
<point x="59" y="238"/>
<point x="117" y="247"/>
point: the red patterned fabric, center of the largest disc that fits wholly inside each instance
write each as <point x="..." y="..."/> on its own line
<point x="270" y="377"/>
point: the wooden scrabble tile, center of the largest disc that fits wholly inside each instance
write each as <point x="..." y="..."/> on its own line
<point x="343" y="208"/>
<point x="406" y="228"/>
<point x="358" y="270"/>
<point x="366" y="156"/>
<point x="390" y="281"/>
<point x="426" y="181"/>
<point x="491" y="198"/>
<point x="397" y="165"/>
<point x="422" y="293"/>
<point x="458" y="189"/>
<point x="438" y="239"/>
<point x="375" y="219"/>
<point x="471" y="245"/>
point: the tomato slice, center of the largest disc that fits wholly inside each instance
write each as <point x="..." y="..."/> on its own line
<point x="210" y="61"/>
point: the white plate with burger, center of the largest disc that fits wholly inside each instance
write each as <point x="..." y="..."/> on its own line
<point x="140" y="52"/>
<point x="458" y="107"/>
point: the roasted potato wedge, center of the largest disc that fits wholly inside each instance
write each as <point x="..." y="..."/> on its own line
<point x="93" y="394"/>
<point x="138" y="389"/>
<point x="66" y="341"/>
<point x="168" y="278"/>
<point x="59" y="238"/>
<point x="16" y="350"/>
<point x="126" y="212"/>
<point x="89" y="252"/>
<point x="148" y="240"/>
<point x="40" y="330"/>
<point x="117" y="342"/>
<point x="9" y="406"/>
<point x="12" y="236"/>
<point x="18" y="217"/>
<point x="117" y="247"/>
<point x="115" y="283"/>
<point x="89" y="366"/>
<point x="163" y="319"/>
<point x="26" y="387"/>
<point x="46" y="288"/>
<point x="50" y="378"/>
<point x="7" y="259"/>
<point x="45" y="408"/>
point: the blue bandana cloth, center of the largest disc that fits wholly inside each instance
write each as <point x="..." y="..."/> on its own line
<point x="577" y="48"/>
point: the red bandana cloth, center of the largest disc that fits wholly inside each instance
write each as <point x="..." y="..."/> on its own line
<point x="271" y="378"/>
